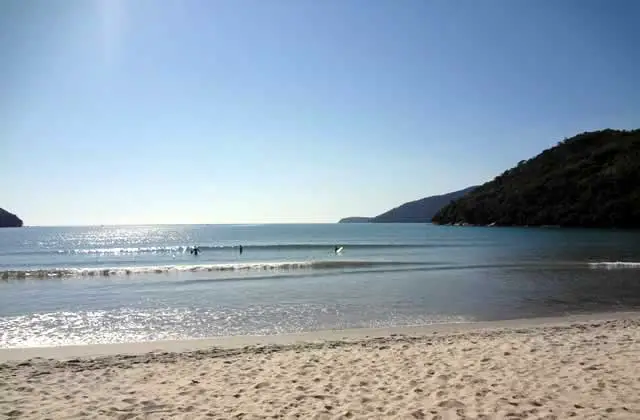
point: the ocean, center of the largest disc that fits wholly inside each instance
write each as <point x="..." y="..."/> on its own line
<point x="117" y="284"/>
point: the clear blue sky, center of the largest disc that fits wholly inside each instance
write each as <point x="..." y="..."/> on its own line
<point x="232" y="111"/>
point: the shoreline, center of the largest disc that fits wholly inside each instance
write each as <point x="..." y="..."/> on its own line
<point x="346" y="336"/>
<point x="582" y="366"/>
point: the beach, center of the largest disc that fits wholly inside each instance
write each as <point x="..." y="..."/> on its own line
<point x="581" y="367"/>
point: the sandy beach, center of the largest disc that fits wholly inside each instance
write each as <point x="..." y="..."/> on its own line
<point x="560" y="369"/>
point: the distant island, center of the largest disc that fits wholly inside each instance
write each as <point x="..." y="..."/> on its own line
<point x="9" y="219"/>
<point x="418" y="211"/>
<point x="355" y="220"/>
<point x="590" y="180"/>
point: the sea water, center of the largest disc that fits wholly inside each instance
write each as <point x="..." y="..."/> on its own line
<point x="86" y="285"/>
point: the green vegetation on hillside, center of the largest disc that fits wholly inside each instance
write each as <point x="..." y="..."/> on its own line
<point x="590" y="180"/>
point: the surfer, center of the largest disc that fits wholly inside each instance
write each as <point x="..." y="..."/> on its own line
<point x="240" y="249"/>
<point x="335" y="249"/>
<point x="195" y="250"/>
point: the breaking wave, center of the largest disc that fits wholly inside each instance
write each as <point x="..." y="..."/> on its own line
<point x="255" y="266"/>
<point x="63" y="272"/>
<point x="615" y="264"/>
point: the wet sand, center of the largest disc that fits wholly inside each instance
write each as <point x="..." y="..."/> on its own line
<point x="580" y="367"/>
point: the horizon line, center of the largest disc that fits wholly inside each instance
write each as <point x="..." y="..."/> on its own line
<point x="205" y="224"/>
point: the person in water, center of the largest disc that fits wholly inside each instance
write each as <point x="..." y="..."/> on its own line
<point x="195" y="250"/>
<point x="240" y="249"/>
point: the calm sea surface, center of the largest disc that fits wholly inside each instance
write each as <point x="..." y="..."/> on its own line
<point x="78" y="285"/>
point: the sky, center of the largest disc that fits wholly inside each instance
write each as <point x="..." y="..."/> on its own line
<point x="293" y="111"/>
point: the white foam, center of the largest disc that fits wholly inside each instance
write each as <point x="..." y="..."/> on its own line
<point x="614" y="264"/>
<point x="125" y="250"/>
<point x="120" y="271"/>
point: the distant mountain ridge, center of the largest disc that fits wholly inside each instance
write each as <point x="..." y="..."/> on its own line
<point x="355" y="219"/>
<point x="418" y="211"/>
<point x="9" y="219"/>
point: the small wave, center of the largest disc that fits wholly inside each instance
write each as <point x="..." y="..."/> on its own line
<point x="256" y="266"/>
<point x="180" y="249"/>
<point x="283" y="266"/>
<point x="128" y="250"/>
<point x="615" y="264"/>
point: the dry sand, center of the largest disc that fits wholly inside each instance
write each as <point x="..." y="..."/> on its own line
<point x="574" y="369"/>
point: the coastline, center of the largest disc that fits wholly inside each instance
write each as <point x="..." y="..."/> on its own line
<point x="582" y="366"/>
<point x="303" y="338"/>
